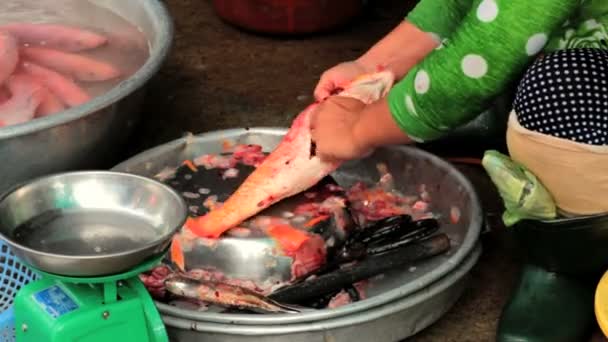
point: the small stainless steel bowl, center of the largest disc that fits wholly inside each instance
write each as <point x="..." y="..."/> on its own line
<point x="90" y="223"/>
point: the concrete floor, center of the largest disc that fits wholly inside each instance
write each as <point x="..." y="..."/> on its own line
<point x="219" y="77"/>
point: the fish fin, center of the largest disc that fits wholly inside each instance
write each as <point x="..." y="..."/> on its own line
<point x="177" y="254"/>
<point x="196" y="226"/>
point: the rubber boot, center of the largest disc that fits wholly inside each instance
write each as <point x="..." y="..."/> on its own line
<point x="553" y="301"/>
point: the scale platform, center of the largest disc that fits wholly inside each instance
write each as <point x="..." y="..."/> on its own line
<point x="88" y="309"/>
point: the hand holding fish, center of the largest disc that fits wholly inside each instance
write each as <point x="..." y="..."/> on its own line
<point x="345" y="128"/>
<point x="398" y="52"/>
<point x="338" y="77"/>
<point x="332" y="129"/>
<point x="289" y="169"/>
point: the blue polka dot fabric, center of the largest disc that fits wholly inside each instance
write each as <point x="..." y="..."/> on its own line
<point x="565" y="94"/>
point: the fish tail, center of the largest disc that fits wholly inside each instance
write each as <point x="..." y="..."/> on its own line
<point x="177" y="254"/>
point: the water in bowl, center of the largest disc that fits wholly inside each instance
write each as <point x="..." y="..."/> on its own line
<point x="85" y="232"/>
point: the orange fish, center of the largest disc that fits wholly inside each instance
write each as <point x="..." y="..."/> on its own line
<point x="290" y="169"/>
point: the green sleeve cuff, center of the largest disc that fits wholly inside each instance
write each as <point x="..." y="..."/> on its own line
<point x="405" y="114"/>
<point x="494" y="44"/>
<point x="439" y="17"/>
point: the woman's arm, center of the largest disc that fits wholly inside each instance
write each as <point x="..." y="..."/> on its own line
<point x="423" y="30"/>
<point x="401" y="49"/>
<point x="494" y="44"/>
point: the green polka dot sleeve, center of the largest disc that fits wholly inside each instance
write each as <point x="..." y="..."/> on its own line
<point x="439" y="17"/>
<point x="494" y="43"/>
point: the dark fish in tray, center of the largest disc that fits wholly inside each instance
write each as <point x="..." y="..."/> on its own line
<point x="224" y="295"/>
<point x="324" y="284"/>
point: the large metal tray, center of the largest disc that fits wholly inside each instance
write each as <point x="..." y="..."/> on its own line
<point x="391" y="322"/>
<point x="410" y="166"/>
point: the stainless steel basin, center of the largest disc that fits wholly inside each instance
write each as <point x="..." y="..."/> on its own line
<point x="88" y="136"/>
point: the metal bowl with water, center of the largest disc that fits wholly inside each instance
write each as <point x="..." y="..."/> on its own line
<point x="84" y="136"/>
<point x="90" y="223"/>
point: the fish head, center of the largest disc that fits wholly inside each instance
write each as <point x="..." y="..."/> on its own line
<point x="181" y="285"/>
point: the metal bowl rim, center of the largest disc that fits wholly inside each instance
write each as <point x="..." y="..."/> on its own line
<point x="375" y="313"/>
<point x="469" y="241"/>
<point x="165" y="26"/>
<point x="160" y="240"/>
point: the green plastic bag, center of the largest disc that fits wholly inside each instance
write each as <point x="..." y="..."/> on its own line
<point x="523" y="194"/>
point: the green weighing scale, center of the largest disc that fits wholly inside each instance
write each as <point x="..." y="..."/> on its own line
<point x="55" y="226"/>
<point x="61" y="309"/>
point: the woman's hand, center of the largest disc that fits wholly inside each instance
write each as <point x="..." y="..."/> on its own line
<point x="344" y="128"/>
<point x="333" y="129"/>
<point x="398" y="51"/>
<point x="337" y="77"/>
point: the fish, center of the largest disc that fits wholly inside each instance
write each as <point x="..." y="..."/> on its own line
<point x="81" y="68"/>
<point x="26" y="96"/>
<point x="57" y="36"/>
<point x="371" y="266"/>
<point x="290" y="169"/>
<point x="64" y="88"/>
<point x="9" y="55"/>
<point x="224" y="295"/>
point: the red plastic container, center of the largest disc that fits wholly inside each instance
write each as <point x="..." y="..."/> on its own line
<point x="288" y="16"/>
